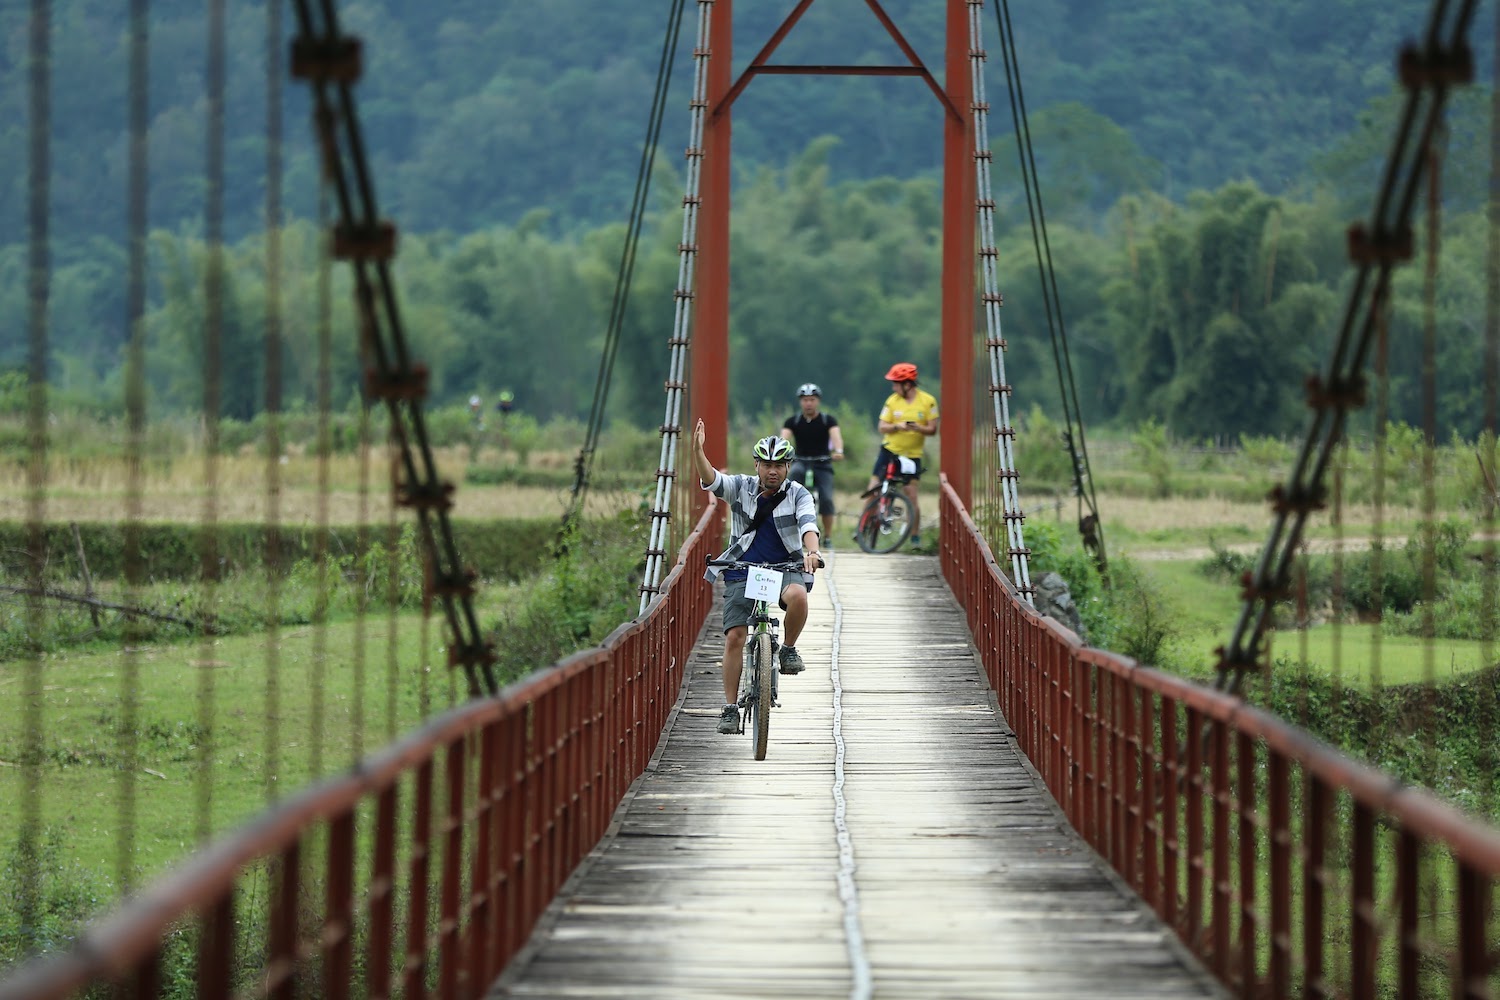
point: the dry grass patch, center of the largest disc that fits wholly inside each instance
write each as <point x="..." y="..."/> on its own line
<point x="1145" y="517"/>
<point x="98" y="489"/>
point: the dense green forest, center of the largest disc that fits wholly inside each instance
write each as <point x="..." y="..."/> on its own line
<point x="1200" y="163"/>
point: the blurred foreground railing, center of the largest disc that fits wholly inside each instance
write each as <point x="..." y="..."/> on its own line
<point x="1288" y="868"/>
<point x="426" y="868"/>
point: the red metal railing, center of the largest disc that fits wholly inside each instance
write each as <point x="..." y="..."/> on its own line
<point x="1287" y="867"/>
<point x="425" y="869"/>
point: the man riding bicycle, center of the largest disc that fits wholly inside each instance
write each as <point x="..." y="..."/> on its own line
<point x="819" y="442"/>
<point x="772" y="520"/>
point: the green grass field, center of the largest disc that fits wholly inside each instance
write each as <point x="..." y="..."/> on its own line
<point x="175" y="789"/>
<point x="1205" y="610"/>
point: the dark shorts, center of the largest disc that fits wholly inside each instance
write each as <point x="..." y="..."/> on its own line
<point x="822" y="482"/>
<point x="738" y="608"/>
<point x="888" y="456"/>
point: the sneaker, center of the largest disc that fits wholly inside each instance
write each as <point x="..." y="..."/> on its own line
<point x="791" y="660"/>
<point x="915" y="540"/>
<point x="729" y="720"/>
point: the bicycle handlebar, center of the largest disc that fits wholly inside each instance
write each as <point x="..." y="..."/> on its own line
<point x="790" y="566"/>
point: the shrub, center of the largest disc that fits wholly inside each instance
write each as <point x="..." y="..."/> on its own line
<point x="1050" y="553"/>
<point x="505" y="548"/>
<point x="1148" y="445"/>
<point x="1138" y="623"/>
<point x="589" y="588"/>
<point x="1398" y="588"/>
<point x="67" y="894"/>
<point x="1042" y="454"/>
<point x="1224" y="564"/>
<point x="1460" y="613"/>
<point x="1261" y="453"/>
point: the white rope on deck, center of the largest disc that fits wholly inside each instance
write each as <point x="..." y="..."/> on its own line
<point x="859" y="962"/>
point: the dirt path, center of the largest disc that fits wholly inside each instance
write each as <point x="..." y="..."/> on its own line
<point x="1316" y="546"/>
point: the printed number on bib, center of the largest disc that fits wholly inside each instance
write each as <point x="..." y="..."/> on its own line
<point x="763" y="585"/>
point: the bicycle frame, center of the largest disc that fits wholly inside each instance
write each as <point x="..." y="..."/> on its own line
<point x="758" y="677"/>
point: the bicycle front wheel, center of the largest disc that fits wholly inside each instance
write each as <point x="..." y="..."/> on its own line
<point x="764" y="673"/>
<point x="884" y="524"/>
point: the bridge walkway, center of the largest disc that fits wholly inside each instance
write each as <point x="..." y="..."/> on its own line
<point x="720" y="874"/>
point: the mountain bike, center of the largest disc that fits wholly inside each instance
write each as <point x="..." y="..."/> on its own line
<point x="758" y="683"/>
<point x="886" y="519"/>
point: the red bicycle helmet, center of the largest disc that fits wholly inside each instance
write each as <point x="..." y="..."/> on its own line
<point x="902" y="371"/>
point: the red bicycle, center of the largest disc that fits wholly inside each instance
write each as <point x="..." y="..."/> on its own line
<point x="886" y="520"/>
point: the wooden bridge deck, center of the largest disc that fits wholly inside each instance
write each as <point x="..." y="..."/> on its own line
<point x="721" y="875"/>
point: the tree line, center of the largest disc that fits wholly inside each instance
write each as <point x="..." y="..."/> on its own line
<point x="1203" y="315"/>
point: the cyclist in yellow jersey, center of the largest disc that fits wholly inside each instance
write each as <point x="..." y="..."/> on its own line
<point x="908" y="418"/>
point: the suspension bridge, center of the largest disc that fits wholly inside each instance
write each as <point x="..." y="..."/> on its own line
<point x="962" y="798"/>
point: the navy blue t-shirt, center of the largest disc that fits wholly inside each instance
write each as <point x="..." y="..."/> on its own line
<point x="767" y="547"/>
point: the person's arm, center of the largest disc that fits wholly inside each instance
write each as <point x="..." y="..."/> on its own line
<point x="810" y="551"/>
<point x="786" y="435"/>
<point x="885" y="425"/>
<point x="836" y="441"/>
<point x="931" y="426"/>
<point x="706" y="471"/>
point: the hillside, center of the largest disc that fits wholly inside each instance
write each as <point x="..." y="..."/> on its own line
<point x="489" y="110"/>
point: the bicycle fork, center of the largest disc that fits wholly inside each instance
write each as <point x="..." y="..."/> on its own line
<point x="747" y="677"/>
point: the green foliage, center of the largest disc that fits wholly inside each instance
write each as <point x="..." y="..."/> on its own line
<point x="510" y="119"/>
<point x="587" y="589"/>
<point x="1224" y="564"/>
<point x="358" y="571"/>
<point x="15" y="392"/>
<point x="68" y="894"/>
<point x="1392" y="728"/>
<point x="1463" y="611"/>
<point x="1198" y="316"/>
<point x="1149" y="449"/>
<point x="1042" y="455"/>
<point x="1266" y="452"/>
<point x="1051" y="553"/>
<point x="504" y="549"/>
<point x="1140" y="624"/>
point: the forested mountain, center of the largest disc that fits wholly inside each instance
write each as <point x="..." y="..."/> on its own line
<point x="1200" y="161"/>
<point x="479" y="111"/>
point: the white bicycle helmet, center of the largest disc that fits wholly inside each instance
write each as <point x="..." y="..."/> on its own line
<point x="772" y="449"/>
<point x="809" y="389"/>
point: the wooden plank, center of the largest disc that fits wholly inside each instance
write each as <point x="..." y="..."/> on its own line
<point x="719" y="877"/>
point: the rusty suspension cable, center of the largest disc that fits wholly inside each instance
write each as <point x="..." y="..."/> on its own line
<point x="585" y="463"/>
<point x="331" y="63"/>
<point x="1427" y="70"/>
<point x="999" y="389"/>
<point x="1090" y="525"/>
<point x="682" y="321"/>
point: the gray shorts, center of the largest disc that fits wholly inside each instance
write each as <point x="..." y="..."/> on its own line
<point x="822" y="482"/>
<point x="738" y="608"/>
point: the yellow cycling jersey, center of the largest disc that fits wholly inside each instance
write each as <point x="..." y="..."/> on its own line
<point x="921" y="408"/>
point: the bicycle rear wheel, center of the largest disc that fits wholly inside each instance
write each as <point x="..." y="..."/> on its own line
<point x="763" y="672"/>
<point x="884" y="524"/>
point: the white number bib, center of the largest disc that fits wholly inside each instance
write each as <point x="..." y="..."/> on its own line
<point x="763" y="584"/>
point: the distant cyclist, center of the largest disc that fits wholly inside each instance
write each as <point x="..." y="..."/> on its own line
<point x="772" y="520"/>
<point x="908" y="418"/>
<point x="819" y="442"/>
